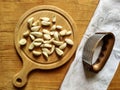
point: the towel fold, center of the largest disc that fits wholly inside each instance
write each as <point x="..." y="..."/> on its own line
<point x="105" y="19"/>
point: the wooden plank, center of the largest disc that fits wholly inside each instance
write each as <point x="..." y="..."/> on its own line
<point x="10" y="63"/>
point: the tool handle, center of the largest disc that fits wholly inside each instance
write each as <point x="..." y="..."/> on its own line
<point x="105" y="52"/>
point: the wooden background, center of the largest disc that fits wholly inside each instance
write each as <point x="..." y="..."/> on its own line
<point x="10" y="63"/>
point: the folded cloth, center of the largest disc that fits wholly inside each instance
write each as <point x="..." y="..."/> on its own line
<point x="105" y="19"/>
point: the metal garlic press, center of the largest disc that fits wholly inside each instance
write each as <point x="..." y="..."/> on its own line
<point x="106" y="40"/>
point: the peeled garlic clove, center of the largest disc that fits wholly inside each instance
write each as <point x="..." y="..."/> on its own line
<point x="36" y="53"/>
<point x="30" y="21"/>
<point x="38" y="40"/>
<point x="63" y="32"/>
<point x="32" y="37"/>
<point x="23" y="42"/>
<point x="63" y="46"/>
<point x="46" y="50"/>
<point x="37" y="34"/>
<point x="53" y="28"/>
<point x="56" y="36"/>
<point x="45" y="19"/>
<point x="52" y="49"/>
<point x="47" y="36"/>
<point x="36" y="23"/>
<point x="47" y="45"/>
<point x="37" y="44"/>
<point x="31" y="46"/>
<point x="45" y="31"/>
<point x="48" y="41"/>
<point x="59" y="27"/>
<point x="69" y="41"/>
<point x="59" y="51"/>
<point x="25" y="34"/>
<point x="42" y="45"/>
<point x="54" y="19"/>
<point x="45" y="54"/>
<point x="45" y="23"/>
<point x="35" y="28"/>
<point x="52" y="32"/>
<point x="57" y="43"/>
<point x="68" y="32"/>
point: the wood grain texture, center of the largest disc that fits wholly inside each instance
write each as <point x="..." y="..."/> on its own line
<point x="10" y="63"/>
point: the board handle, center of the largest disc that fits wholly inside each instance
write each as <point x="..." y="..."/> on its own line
<point x="20" y="79"/>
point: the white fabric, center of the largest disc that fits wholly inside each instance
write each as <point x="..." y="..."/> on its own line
<point x="105" y="19"/>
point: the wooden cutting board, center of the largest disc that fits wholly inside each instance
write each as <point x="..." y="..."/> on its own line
<point x="10" y="63"/>
<point x="52" y="61"/>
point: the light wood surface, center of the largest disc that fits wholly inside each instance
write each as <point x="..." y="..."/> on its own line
<point x="10" y="63"/>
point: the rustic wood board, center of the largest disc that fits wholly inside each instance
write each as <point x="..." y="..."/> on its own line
<point x="31" y="62"/>
<point x="63" y="19"/>
<point x="10" y="63"/>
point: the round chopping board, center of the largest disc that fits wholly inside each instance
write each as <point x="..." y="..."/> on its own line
<point x="63" y="19"/>
<point x="31" y="62"/>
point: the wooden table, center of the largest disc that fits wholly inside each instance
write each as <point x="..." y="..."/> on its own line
<point x="10" y="63"/>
